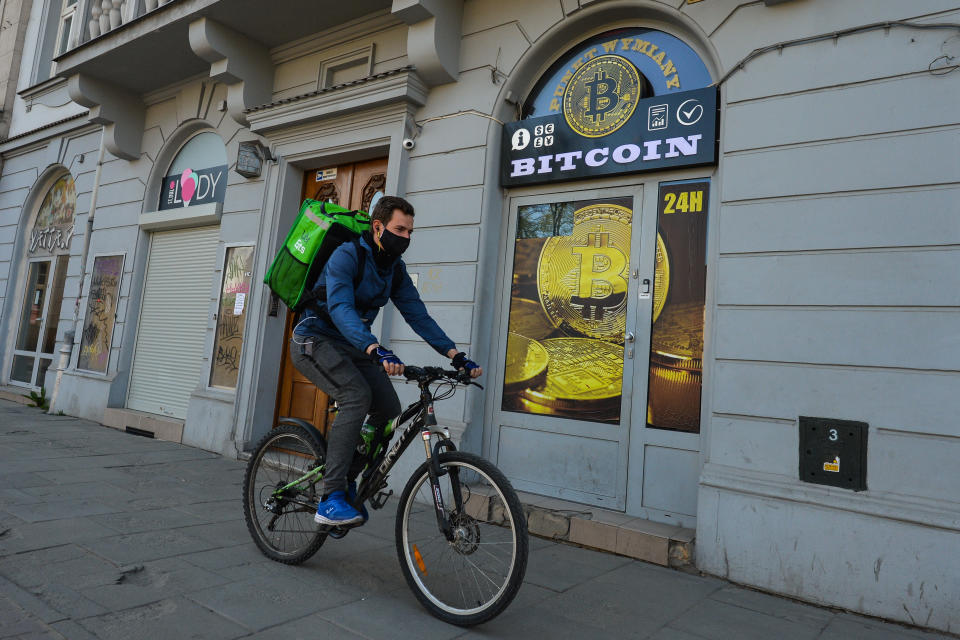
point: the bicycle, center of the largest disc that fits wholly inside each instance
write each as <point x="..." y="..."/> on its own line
<point x="457" y="501"/>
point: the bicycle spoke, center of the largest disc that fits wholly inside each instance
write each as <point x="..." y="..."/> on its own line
<point x="470" y="572"/>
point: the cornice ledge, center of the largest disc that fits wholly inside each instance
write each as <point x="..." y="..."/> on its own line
<point x="402" y="88"/>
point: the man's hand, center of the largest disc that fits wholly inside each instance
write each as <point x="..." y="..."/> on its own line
<point x="391" y="363"/>
<point x="462" y="363"/>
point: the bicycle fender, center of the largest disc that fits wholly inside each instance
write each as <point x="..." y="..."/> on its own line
<point x="297" y="422"/>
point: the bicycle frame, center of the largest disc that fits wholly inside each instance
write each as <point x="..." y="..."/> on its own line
<point x="375" y="476"/>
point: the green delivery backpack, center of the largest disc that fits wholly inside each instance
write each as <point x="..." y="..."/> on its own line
<point x="320" y="228"/>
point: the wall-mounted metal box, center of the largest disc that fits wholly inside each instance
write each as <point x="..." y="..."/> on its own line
<point x="833" y="452"/>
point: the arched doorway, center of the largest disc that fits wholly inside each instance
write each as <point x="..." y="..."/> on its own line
<point x="48" y="251"/>
<point x="601" y="336"/>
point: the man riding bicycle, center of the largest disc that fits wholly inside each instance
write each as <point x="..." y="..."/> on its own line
<point x="333" y="346"/>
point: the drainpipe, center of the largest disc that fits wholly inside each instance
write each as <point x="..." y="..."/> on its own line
<point x="70" y="337"/>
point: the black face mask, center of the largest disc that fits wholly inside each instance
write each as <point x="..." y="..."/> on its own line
<point x="393" y="245"/>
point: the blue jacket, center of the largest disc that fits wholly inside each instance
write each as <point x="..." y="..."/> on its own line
<point x="353" y="311"/>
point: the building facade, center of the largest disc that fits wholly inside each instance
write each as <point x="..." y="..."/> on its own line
<point x="706" y="251"/>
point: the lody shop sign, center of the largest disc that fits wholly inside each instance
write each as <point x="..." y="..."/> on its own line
<point x="192" y="187"/>
<point x="604" y="130"/>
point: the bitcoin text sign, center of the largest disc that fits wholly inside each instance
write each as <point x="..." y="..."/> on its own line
<point x="607" y="127"/>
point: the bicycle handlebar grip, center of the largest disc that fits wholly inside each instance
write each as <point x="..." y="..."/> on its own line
<point x="411" y="372"/>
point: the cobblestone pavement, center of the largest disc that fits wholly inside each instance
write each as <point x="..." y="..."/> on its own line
<point x="109" y="535"/>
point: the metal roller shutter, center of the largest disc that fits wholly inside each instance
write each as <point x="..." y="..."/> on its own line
<point x="168" y="362"/>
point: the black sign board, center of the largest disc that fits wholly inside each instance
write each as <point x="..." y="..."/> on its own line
<point x="192" y="187"/>
<point x="667" y="131"/>
<point x="833" y="452"/>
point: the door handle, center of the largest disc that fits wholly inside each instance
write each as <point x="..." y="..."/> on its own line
<point x="629" y="337"/>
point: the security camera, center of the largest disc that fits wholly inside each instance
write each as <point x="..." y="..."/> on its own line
<point x="408" y="143"/>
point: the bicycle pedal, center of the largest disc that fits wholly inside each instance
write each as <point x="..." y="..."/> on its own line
<point x="380" y="499"/>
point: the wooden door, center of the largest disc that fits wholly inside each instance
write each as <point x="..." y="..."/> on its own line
<point x="353" y="186"/>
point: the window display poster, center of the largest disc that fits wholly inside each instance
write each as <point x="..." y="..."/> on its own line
<point x="676" y="339"/>
<point x="568" y="310"/>
<point x="231" y="316"/>
<point x="101" y="313"/>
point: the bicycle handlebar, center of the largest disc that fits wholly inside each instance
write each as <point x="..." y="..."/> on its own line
<point x="426" y="375"/>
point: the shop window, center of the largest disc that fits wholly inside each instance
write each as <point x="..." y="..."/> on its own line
<point x="197" y="175"/>
<point x="48" y="249"/>
<point x="231" y="317"/>
<point x="566" y="333"/>
<point x="665" y="64"/>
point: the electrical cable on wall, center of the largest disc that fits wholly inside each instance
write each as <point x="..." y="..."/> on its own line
<point x="472" y="112"/>
<point x="836" y="35"/>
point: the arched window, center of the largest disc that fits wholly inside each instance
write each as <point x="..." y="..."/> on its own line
<point x="47" y="255"/>
<point x="665" y="64"/>
<point x="198" y="173"/>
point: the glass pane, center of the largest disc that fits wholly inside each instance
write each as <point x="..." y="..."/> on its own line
<point x="666" y="64"/>
<point x="65" y="34"/>
<point x="568" y="309"/>
<point x="32" y="315"/>
<point x="231" y="316"/>
<point x="22" y="369"/>
<point x="201" y="151"/>
<point x="680" y="285"/>
<point x="53" y="311"/>
<point x="97" y="336"/>
<point x="57" y="209"/>
<point x="42" y="371"/>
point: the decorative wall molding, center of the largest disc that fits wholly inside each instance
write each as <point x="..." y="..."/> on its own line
<point x="880" y="504"/>
<point x="433" y="40"/>
<point x="121" y="113"/>
<point x="241" y="63"/>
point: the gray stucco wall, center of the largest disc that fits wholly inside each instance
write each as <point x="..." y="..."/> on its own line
<point x="834" y="273"/>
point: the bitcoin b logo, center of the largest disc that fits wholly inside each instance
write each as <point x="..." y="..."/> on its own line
<point x="601" y="96"/>
<point x="582" y="278"/>
<point x="602" y="286"/>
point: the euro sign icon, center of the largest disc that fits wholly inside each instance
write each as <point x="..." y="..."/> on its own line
<point x="602" y="285"/>
<point x="602" y="96"/>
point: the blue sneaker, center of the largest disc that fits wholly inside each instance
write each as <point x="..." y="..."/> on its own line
<point x="352" y="497"/>
<point x="336" y="511"/>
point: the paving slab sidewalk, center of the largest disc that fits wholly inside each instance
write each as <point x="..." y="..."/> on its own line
<point x="104" y="535"/>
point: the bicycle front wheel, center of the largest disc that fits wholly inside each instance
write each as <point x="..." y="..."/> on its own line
<point x="278" y="509"/>
<point x="472" y="578"/>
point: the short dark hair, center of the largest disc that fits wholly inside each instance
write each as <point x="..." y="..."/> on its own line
<point x="383" y="211"/>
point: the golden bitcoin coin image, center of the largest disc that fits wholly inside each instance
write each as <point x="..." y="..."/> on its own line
<point x="661" y="278"/>
<point x="582" y="278"/>
<point x="526" y="366"/>
<point x="528" y="320"/>
<point x="601" y="96"/>
<point x="680" y="331"/>
<point x="585" y="375"/>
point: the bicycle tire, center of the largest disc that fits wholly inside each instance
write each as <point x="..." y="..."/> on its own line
<point x="493" y="608"/>
<point x="252" y="505"/>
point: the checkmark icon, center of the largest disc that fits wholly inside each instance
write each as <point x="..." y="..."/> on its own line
<point x="689" y="112"/>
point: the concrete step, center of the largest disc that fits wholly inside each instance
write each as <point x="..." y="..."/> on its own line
<point x="664" y="544"/>
<point x="142" y="423"/>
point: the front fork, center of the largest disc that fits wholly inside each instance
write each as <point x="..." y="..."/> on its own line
<point x="434" y="471"/>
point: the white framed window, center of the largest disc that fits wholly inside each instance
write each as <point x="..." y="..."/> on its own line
<point x="68" y="13"/>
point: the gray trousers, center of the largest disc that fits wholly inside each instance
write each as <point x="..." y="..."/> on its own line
<point x="361" y="388"/>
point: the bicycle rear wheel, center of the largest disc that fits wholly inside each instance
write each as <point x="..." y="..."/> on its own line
<point x="281" y="522"/>
<point x="473" y="578"/>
